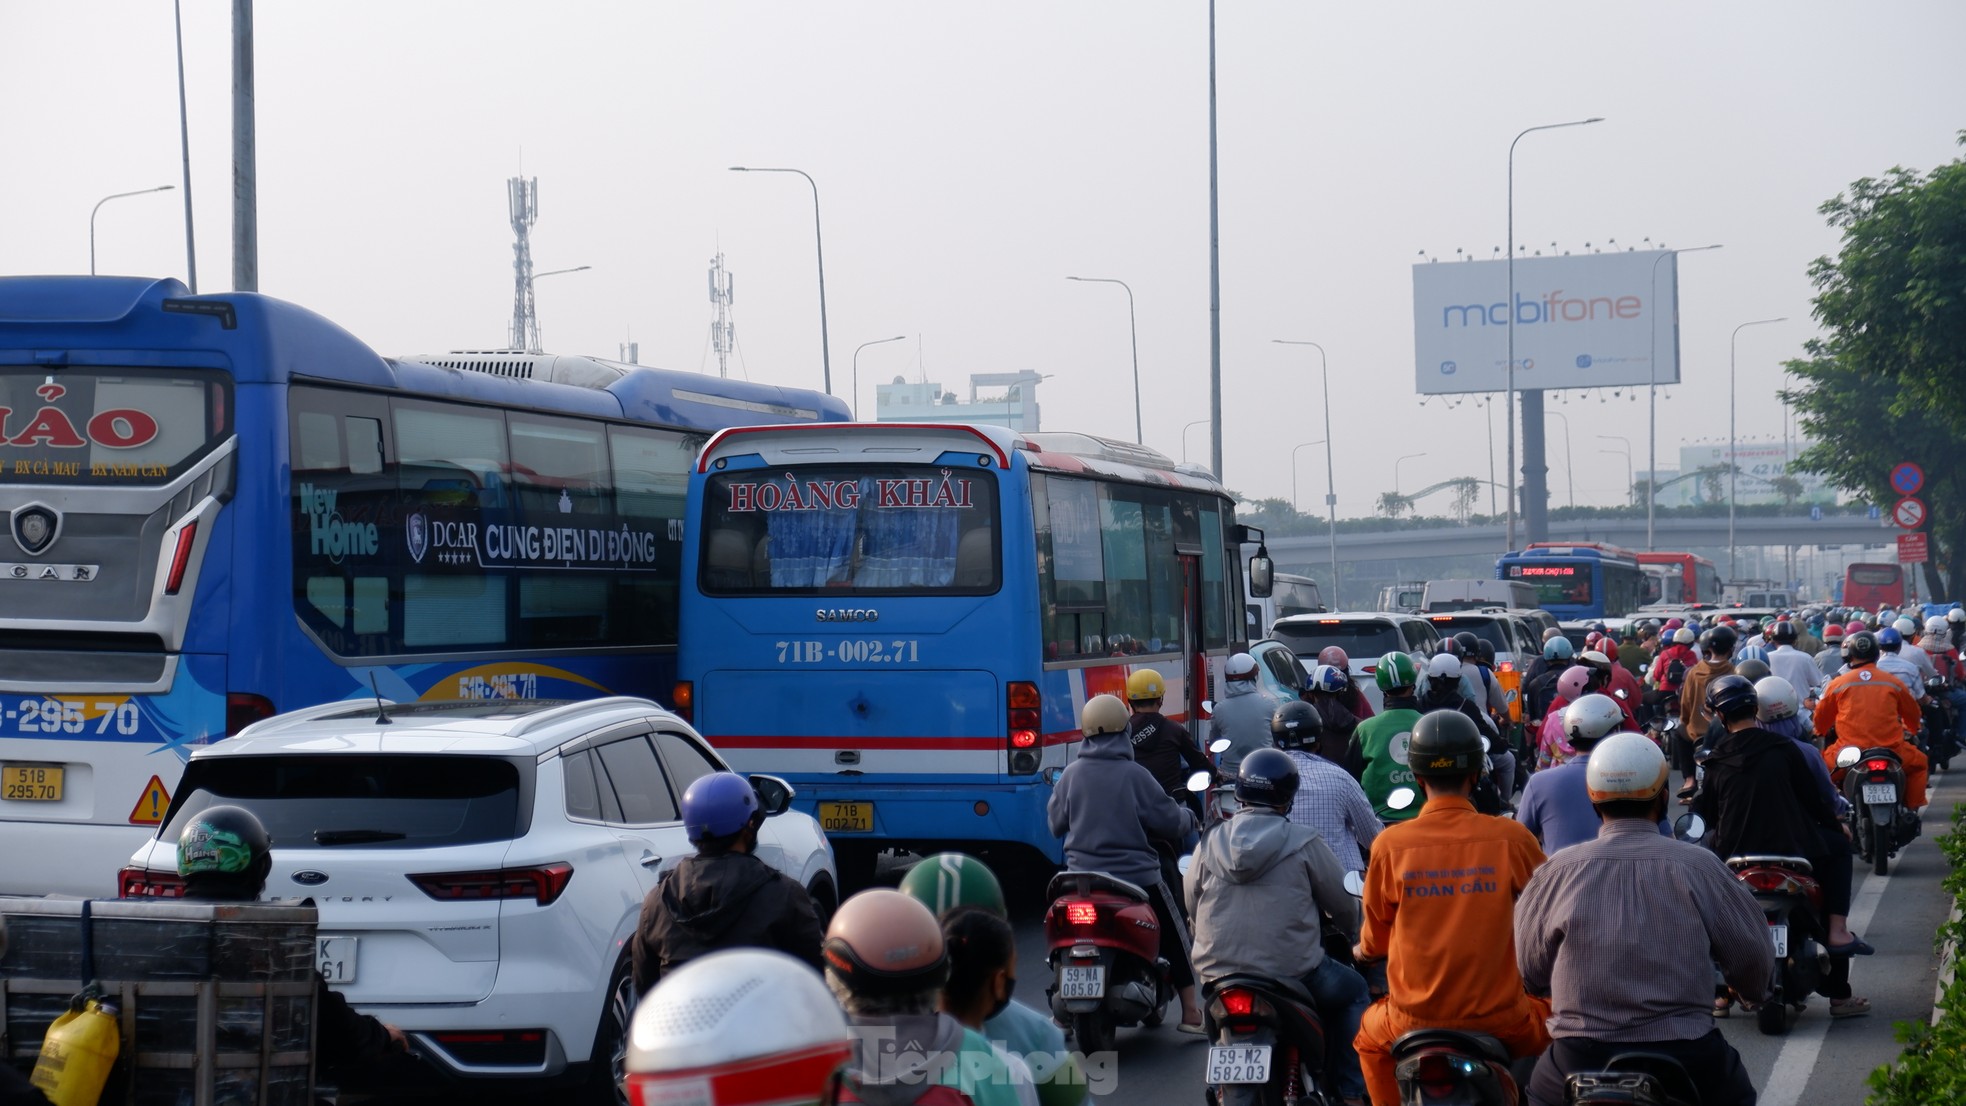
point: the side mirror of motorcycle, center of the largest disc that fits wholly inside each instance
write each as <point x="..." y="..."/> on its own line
<point x="1355" y="884"/>
<point x="1197" y="782"/>
<point x="1485" y="747"/>
<point x="1187" y="861"/>
<point x="1208" y="706"/>
<point x="1848" y="756"/>
<point x="1622" y="693"/>
<point x="1051" y="775"/>
<point x="1401" y="798"/>
<point x="1219" y="745"/>
<point x="1689" y="827"/>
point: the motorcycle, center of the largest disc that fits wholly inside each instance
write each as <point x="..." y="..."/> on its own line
<point x="1634" y="1077"/>
<point x="1267" y="1043"/>
<point x="1874" y="783"/>
<point x="1106" y="967"/>
<point x="1941" y="722"/>
<point x="1792" y="901"/>
<point x="1447" y="1067"/>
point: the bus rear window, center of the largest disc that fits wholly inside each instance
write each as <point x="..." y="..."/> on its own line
<point x="1875" y="575"/>
<point x="842" y="530"/>
<point x="107" y="426"/>
<point x="391" y="801"/>
<point x="1563" y="584"/>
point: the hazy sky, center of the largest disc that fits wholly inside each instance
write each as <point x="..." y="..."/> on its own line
<point x="971" y="155"/>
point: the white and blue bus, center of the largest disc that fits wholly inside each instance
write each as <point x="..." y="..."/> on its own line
<point x="223" y="506"/>
<point x="905" y="619"/>
<point x="1578" y="581"/>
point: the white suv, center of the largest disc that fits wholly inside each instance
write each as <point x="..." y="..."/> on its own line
<point x="479" y="867"/>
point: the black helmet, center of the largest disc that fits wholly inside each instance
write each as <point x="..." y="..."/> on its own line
<point x="1785" y="633"/>
<point x="1860" y="648"/>
<point x="1485" y="652"/>
<point x="1466" y="645"/>
<point x="225" y="841"/>
<point x="1752" y="670"/>
<point x="1444" y="743"/>
<point x="1268" y="777"/>
<point x="1722" y="639"/>
<point x="1295" y="725"/>
<point x="1730" y="697"/>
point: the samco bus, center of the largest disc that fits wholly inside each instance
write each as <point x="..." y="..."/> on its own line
<point x="905" y="619"/>
<point x="1577" y="580"/>
<point x="1680" y="577"/>
<point x="1867" y="587"/>
<point x="223" y="506"/>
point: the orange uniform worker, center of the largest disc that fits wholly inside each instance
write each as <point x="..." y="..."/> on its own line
<point x="1440" y="897"/>
<point x="1870" y="708"/>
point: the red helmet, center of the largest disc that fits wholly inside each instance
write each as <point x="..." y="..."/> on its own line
<point x="1854" y="628"/>
<point x="1335" y="657"/>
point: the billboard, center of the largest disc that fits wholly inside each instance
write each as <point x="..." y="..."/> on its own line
<point x="1590" y="321"/>
<point x="1705" y="470"/>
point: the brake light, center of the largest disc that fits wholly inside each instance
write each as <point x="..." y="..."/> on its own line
<point x="682" y="700"/>
<point x="1024" y="722"/>
<point x="1877" y="765"/>
<point x="1761" y="879"/>
<point x="542" y="884"/>
<point x="181" y="559"/>
<point x="1438" y="1073"/>
<point x="1238" y="1003"/>
<point x="1081" y="913"/>
<point x="243" y="708"/>
<point x="142" y="883"/>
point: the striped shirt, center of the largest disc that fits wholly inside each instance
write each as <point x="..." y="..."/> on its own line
<point x="1330" y="801"/>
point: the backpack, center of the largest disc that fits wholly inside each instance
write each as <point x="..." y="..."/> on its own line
<point x="1675" y="676"/>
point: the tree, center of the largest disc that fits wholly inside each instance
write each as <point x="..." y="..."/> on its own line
<point x="1393" y="504"/>
<point x="1465" y="490"/>
<point x="1888" y="383"/>
<point x="1788" y="487"/>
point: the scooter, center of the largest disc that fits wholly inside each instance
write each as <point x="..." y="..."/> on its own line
<point x="1792" y="901"/>
<point x="1874" y="783"/>
<point x="1267" y="1043"/>
<point x="1106" y="967"/>
<point x="1447" y="1067"/>
<point x="1630" y="1078"/>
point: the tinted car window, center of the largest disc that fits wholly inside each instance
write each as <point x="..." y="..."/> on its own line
<point x="1358" y="639"/>
<point x="583" y="794"/>
<point x="380" y="801"/>
<point x="687" y="763"/>
<point x="1486" y="627"/>
<point x="637" y="780"/>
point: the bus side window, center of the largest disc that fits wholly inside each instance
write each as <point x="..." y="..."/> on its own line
<point x="727" y="560"/>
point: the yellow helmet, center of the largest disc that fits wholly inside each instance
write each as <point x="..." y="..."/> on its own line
<point x="1144" y="686"/>
<point x="1104" y="714"/>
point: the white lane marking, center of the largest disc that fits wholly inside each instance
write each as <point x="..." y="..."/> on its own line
<point x="1796" y="1062"/>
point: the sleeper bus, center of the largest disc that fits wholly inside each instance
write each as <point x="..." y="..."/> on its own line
<point x="905" y="619"/>
<point x="1577" y="580"/>
<point x="1681" y="578"/>
<point x="223" y="506"/>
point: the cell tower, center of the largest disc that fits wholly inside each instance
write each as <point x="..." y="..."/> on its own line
<point x="523" y="194"/>
<point x="723" y="332"/>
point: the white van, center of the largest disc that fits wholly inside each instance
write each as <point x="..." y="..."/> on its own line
<point x="1289" y="595"/>
<point x="1463" y="595"/>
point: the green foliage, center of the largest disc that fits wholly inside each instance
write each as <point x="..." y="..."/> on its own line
<point x="1932" y="1067"/>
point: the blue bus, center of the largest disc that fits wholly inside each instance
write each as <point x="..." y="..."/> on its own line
<point x="223" y="506"/>
<point x="905" y="619"/>
<point x="1578" y="580"/>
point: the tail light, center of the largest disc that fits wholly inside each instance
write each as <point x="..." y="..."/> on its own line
<point x="1082" y="913"/>
<point x="142" y="883"/>
<point x="1877" y="766"/>
<point x="682" y="700"/>
<point x="1238" y="1003"/>
<point x="1024" y="725"/>
<point x="1234" y="1004"/>
<point x="542" y="884"/>
<point x="1763" y="879"/>
<point x="243" y="708"/>
<point x="1438" y="1073"/>
<point x="181" y="559"/>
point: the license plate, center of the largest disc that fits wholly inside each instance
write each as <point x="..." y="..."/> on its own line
<point x="1780" y="936"/>
<point x="335" y="956"/>
<point x="1873" y="792"/>
<point x="31" y="783"/>
<point x="846" y="817"/>
<point x="1239" y="1064"/>
<point x="1087" y="982"/>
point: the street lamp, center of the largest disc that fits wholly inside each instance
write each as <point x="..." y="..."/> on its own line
<point x="825" y="349"/>
<point x="1396" y="465"/>
<point x="1513" y="478"/>
<point x="1293" y="469"/>
<point x="1733" y="460"/>
<point x="1330" y="478"/>
<point x="1133" y="328"/>
<point x="1569" y="470"/>
<point x="538" y="343"/>
<point x="856" y="371"/>
<point x="1652" y="397"/>
<point x="98" y="207"/>
<point x="1184" y="437"/>
<point x="1629" y="493"/>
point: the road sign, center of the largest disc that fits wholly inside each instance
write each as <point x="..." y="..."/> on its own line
<point x="1913" y="549"/>
<point x="1909" y="514"/>
<point x="1907" y="478"/>
<point x="1876" y="512"/>
<point x="1815" y="514"/>
<point x="151" y="805"/>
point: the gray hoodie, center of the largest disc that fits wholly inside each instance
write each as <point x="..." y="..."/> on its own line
<point x="1243" y="716"/>
<point x="1257" y="891"/>
<point x="1105" y="806"/>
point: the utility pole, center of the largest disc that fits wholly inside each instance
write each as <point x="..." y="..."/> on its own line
<point x="522" y="198"/>
<point x="245" y="176"/>
<point x="723" y="332"/>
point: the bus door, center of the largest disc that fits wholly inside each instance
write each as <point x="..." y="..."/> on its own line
<point x="1194" y="660"/>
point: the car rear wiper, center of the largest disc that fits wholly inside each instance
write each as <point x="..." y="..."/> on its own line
<point x="355" y="836"/>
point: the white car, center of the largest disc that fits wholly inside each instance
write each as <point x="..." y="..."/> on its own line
<point x="479" y="867"/>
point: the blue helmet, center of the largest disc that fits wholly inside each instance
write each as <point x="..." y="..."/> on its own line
<point x="1331" y="678"/>
<point x="1889" y="639"/>
<point x="1558" y="648"/>
<point x="720" y="804"/>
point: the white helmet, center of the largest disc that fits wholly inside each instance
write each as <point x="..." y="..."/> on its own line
<point x="1776" y="697"/>
<point x="1956" y="616"/>
<point x="1625" y="766"/>
<point x="1444" y="666"/>
<point x="1589" y="719"/>
<point x="1104" y="714"/>
<point x="1935" y="624"/>
<point x="1242" y="666"/>
<point x="736" y="1028"/>
<point x="1905" y="626"/>
<point x="1684" y="636"/>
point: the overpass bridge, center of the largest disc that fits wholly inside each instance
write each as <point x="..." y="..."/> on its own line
<point x="1669" y="533"/>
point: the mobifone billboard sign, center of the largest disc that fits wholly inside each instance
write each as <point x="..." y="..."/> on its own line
<point x="1591" y="321"/>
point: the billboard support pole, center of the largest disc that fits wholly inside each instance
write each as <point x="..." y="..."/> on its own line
<point x="1535" y="479"/>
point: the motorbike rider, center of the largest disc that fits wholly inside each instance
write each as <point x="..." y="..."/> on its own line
<point x="1379" y="757"/>
<point x="951" y="883"/>
<point x="1552" y="744"/>
<point x="1778" y="712"/>
<point x="1632" y="653"/>
<point x="722" y="896"/>
<point x="1668" y="672"/>
<point x="1616" y="681"/>
<point x="1440" y="885"/>
<point x="1107" y="809"/>
<point x="886" y="964"/>
<point x="1625" y="894"/>
<point x="1794" y="665"/>
<point x="1355" y="700"/>
<point x="1716" y="660"/>
<point x="1243" y="713"/>
<point x="1759" y="798"/>
<point x="1539" y="681"/>
<point x="1867" y="708"/>
<point x="1328" y="799"/>
<point x="1259" y="889"/>
<point x="1160" y="745"/>
<point x="1910" y="650"/>
<point x="1329" y="690"/>
<point x="1890" y="644"/>
<point x="1444" y="691"/>
<point x="1555" y="806"/>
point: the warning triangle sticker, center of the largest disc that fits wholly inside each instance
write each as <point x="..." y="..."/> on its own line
<point x="151" y="806"/>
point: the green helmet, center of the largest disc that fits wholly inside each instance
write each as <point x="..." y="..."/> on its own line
<point x="946" y="881"/>
<point x="1396" y="672"/>
<point x="224" y="841"/>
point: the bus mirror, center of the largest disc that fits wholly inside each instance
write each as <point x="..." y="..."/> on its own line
<point x="1262" y="573"/>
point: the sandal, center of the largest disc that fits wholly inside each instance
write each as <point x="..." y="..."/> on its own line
<point x="1722" y="1006"/>
<point x="1849" y="1007"/>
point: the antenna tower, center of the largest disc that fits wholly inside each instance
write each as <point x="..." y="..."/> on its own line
<point x="523" y="197"/>
<point x="723" y="332"/>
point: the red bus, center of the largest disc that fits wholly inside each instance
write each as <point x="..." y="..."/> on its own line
<point x="1681" y="577"/>
<point x="1867" y="586"/>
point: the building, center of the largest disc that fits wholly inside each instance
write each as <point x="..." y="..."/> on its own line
<point x="1016" y="406"/>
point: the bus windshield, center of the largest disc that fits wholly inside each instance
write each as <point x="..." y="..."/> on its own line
<point x="847" y="530"/>
<point x="1563" y="584"/>
<point x="106" y="426"/>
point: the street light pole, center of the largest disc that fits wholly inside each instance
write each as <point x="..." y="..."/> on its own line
<point x="1652" y="396"/>
<point x="98" y="207"/>
<point x="1513" y="478"/>
<point x="1733" y="449"/>
<point x="1184" y="437"/>
<point x="539" y="346"/>
<point x="1293" y="469"/>
<point x="1133" y="328"/>
<point x="1569" y="470"/>
<point x="1396" y="465"/>
<point x="819" y="242"/>
<point x="856" y="371"/>
<point x="1630" y="493"/>
<point x="1330" y="474"/>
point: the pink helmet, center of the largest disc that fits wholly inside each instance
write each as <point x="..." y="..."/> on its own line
<point x="1593" y="640"/>
<point x="1335" y="657"/>
<point x="1575" y="683"/>
<point x="1674" y="623"/>
<point x="1854" y="628"/>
